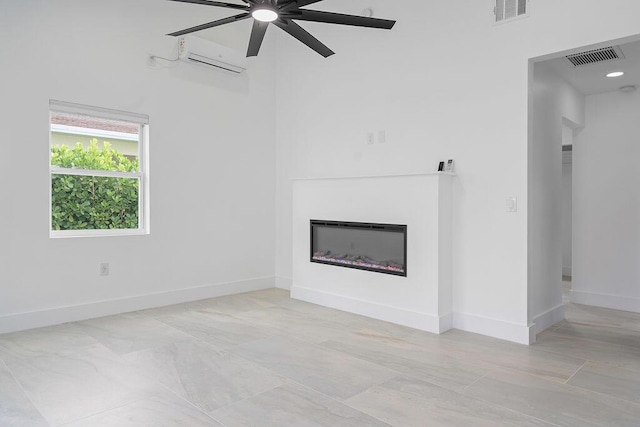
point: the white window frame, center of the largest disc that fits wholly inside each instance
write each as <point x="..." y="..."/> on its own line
<point x="141" y="175"/>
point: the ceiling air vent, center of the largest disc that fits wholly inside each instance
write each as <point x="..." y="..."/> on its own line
<point x="506" y="10"/>
<point x="595" y="56"/>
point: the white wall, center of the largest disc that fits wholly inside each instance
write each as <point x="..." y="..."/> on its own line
<point x="212" y="160"/>
<point x="606" y="201"/>
<point x="554" y="102"/>
<point x="567" y="196"/>
<point x="567" y="208"/>
<point x="444" y="83"/>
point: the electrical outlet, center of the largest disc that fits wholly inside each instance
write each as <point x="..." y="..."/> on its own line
<point x="371" y="138"/>
<point x="104" y="269"/>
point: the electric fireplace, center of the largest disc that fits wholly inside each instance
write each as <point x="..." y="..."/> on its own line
<point x="381" y="248"/>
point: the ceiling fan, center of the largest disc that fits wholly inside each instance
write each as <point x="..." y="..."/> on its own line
<point x="282" y="14"/>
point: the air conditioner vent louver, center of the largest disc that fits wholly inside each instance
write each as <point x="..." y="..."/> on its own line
<point x="215" y="62"/>
<point x="510" y="9"/>
<point x="595" y="56"/>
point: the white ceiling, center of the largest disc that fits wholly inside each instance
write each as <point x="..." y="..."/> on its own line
<point x="591" y="79"/>
<point x="234" y="35"/>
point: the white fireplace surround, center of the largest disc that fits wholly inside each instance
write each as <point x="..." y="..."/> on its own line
<point x="423" y="299"/>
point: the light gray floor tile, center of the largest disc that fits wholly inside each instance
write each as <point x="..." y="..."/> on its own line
<point x="293" y="405"/>
<point x="318" y="311"/>
<point x="126" y="333"/>
<point x="166" y="411"/>
<point x="553" y="402"/>
<point x="609" y="380"/>
<point x="232" y="304"/>
<point x="607" y="334"/>
<point x="218" y="329"/>
<point x="405" y="402"/>
<point x="204" y="376"/>
<point x="351" y="322"/>
<point x="374" y="328"/>
<point x="273" y="296"/>
<point x="601" y="316"/>
<point x="16" y="410"/>
<point x="68" y="373"/>
<point x="494" y="353"/>
<point x="411" y="359"/>
<point x="294" y="323"/>
<point x="347" y="321"/>
<point x="330" y="372"/>
<point x="68" y="387"/>
<point x="391" y="333"/>
<point x="170" y="309"/>
<point x="61" y="339"/>
<point x="596" y="351"/>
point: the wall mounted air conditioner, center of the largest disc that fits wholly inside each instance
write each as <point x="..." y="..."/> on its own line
<point x="204" y="52"/>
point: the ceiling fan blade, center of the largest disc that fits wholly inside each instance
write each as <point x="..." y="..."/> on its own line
<point x="217" y="23"/>
<point x="215" y="3"/>
<point x="307" y="2"/>
<point x="257" y="35"/>
<point x="301" y="34"/>
<point x="294" y="5"/>
<point x="338" y="18"/>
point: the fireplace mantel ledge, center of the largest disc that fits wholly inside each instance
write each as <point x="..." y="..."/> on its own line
<point x="373" y="176"/>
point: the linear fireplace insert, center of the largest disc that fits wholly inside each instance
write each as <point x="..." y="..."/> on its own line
<point x="381" y="248"/>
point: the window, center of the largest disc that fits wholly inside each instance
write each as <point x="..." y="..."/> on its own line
<point x="98" y="175"/>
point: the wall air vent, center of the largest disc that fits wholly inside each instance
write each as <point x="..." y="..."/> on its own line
<point x="506" y="10"/>
<point x="595" y="56"/>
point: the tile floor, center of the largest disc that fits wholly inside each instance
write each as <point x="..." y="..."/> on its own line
<point x="263" y="359"/>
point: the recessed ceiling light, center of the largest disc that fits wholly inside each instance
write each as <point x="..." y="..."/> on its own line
<point x="265" y="15"/>
<point x="615" y="74"/>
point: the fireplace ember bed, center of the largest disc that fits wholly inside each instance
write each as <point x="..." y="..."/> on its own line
<point x="380" y="248"/>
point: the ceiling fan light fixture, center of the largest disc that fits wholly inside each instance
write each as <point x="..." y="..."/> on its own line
<point x="264" y="14"/>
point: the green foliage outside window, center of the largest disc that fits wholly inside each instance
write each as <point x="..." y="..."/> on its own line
<point x="88" y="202"/>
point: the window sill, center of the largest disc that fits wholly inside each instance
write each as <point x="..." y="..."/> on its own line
<point x="63" y="234"/>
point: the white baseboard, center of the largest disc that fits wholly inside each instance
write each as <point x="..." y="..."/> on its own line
<point x="445" y="323"/>
<point x="548" y="318"/>
<point x="413" y="319"/>
<point x="514" y="332"/>
<point x="58" y="315"/>
<point x="566" y="271"/>
<point x="616" y="302"/>
<point x="284" y="282"/>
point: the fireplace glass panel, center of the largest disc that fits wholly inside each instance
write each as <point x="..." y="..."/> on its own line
<point x="373" y="247"/>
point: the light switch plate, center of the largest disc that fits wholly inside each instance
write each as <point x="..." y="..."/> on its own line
<point x="512" y="204"/>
